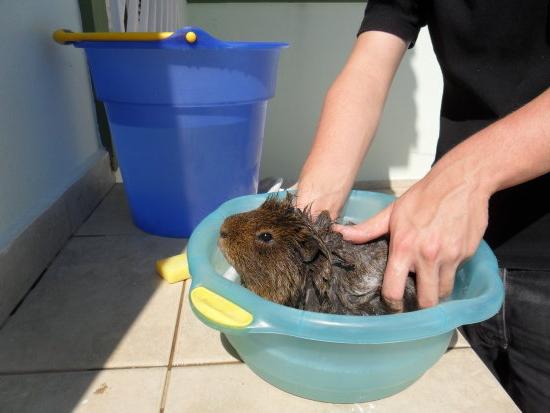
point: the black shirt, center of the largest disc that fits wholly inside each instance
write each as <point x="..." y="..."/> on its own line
<point x="494" y="57"/>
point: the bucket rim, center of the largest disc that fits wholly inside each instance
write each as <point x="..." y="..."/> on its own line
<point x="186" y="38"/>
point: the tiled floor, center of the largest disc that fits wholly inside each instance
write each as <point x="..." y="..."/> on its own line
<point x="101" y="332"/>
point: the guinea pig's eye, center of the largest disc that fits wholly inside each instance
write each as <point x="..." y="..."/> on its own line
<point x="265" y="237"/>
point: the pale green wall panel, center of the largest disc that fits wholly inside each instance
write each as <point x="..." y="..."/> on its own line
<point x="48" y="131"/>
<point x="321" y="36"/>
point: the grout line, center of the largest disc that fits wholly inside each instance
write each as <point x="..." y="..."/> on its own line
<point x="97" y="369"/>
<point x="76" y="370"/>
<point x="165" y="390"/>
<point x="93" y="211"/>
<point x="176" y="328"/>
<point x="128" y="235"/>
<point x="172" y="349"/>
<point x="51" y="261"/>
<point x="91" y="236"/>
<point x="209" y="363"/>
<point x="35" y="283"/>
<point x="95" y="208"/>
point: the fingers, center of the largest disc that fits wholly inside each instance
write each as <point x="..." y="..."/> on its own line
<point x="427" y="284"/>
<point x="395" y="279"/>
<point x="434" y="277"/>
<point x="434" y="282"/>
<point x="367" y="230"/>
<point x="433" y="256"/>
<point x="447" y="273"/>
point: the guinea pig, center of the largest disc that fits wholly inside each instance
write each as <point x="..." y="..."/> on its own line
<point x="285" y="256"/>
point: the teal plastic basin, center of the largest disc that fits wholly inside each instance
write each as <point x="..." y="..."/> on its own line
<point x="326" y="357"/>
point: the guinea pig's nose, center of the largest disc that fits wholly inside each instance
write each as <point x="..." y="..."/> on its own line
<point x="223" y="234"/>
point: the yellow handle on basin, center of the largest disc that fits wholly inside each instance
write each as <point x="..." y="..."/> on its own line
<point x="219" y="309"/>
<point x="63" y="36"/>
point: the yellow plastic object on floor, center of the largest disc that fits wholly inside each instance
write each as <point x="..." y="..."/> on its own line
<point x="174" y="269"/>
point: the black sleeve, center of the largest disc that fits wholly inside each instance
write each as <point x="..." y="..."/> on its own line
<point x="403" y="18"/>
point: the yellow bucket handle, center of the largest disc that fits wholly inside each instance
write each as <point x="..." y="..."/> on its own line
<point x="63" y="36"/>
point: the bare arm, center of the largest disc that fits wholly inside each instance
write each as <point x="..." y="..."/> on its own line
<point x="349" y="119"/>
<point x="440" y="221"/>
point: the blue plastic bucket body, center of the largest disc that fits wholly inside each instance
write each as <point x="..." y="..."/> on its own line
<point x="187" y="122"/>
<point x="179" y="164"/>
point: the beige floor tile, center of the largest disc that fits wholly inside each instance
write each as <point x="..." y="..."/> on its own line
<point x="24" y="258"/>
<point x="458" y="341"/>
<point x="112" y="216"/>
<point x="120" y="391"/>
<point x="101" y="304"/>
<point x="196" y="343"/>
<point x="457" y="383"/>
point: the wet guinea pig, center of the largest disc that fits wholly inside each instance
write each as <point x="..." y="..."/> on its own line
<point x="284" y="256"/>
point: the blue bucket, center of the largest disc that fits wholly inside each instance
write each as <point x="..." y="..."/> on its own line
<point x="187" y="119"/>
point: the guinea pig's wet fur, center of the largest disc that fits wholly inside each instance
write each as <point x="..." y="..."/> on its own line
<point x="285" y="256"/>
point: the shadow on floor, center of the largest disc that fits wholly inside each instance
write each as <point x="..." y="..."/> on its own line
<point x="100" y="305"/>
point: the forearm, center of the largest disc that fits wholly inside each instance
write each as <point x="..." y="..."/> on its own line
<point x="509" y="152"/>
<point x="349" y="118"/>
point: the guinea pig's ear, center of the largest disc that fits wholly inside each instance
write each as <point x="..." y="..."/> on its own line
<point x="308" y="249"/>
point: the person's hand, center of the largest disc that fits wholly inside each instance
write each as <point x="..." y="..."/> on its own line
<point x="433" y="227"/>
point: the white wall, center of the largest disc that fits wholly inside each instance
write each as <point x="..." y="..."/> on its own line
<point x="321" y="36"/>
<point x="48" y="132"/>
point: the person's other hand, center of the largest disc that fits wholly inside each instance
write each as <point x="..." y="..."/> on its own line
<point x="433" y="227"/>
